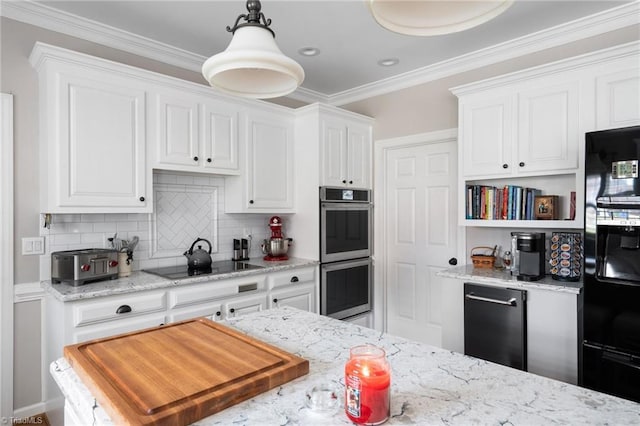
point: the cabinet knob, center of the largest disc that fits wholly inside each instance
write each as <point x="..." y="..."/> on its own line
<point x="350" y="182"/>
<point x="344" y="181"/>
<point x="141" y="198"/>
<point x="453" y="261"/>
<point x="521" y="164"/>
<point x="294" y="279"/>
<point x="123" y="309"/>
<point x="195" y="158"/>
<point x="208" y="160"/>
<point x="218" y="313"/>
<point x="232" y="310"/>
<point x="505" y="166"/>
<point x="275" y="300"/>
<point x="250" y="201"/>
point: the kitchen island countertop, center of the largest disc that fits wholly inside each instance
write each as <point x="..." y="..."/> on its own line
<point x="429" y="385"/>
<point x="140" y="280"/>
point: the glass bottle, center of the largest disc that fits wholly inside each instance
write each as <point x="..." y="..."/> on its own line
<point x="507" y="260"/>
<point x="368" y="381"/>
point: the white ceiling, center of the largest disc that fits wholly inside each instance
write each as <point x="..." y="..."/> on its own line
<point x="350" y="41"/>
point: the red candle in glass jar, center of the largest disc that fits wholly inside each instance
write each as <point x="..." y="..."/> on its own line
<point x="367" y="380"/>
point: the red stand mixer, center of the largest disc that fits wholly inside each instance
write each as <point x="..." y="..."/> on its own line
<point x="276" y="247"/>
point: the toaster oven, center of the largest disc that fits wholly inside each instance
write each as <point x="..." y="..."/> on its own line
<point x="78" y="267"/>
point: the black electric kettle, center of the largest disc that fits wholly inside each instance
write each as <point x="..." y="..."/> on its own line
<point x="198" y="259"/>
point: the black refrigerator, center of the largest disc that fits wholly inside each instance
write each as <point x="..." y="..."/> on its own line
<point x="610" y="352"/>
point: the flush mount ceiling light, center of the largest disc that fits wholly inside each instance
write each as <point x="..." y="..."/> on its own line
<point x="253" y="66"/>
<point x="309" y="51"/>
<point x="434" y="17"/>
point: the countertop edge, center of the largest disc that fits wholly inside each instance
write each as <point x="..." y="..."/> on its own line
<point x="143" y="281"/>
<point x="504" y="279"/>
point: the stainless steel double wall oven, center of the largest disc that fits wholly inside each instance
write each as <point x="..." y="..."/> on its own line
<point x="346" y="272"/>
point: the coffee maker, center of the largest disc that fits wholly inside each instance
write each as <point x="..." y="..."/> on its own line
<point x="529" y="255"/>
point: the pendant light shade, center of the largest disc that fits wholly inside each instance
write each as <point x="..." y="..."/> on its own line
<point x="253" y="66"/>
<point x="434" y="17"/>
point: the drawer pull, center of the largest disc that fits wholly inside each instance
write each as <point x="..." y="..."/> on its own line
<point x="232" y="310"/>
<point x="218" y="313"/>
<point x="247" y="287"/>
<point x="123" y="309"/>
<point x="294" y="279"/>
<point x="275" y="300"/>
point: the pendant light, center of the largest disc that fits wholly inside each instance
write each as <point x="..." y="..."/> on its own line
<point x="253" y="66"/>
<point x="434" y="17"/>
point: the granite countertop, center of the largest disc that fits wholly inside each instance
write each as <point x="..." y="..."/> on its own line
<point x="502" y="278"/>
<point x="429" y="385"/>
<point x="140" y="281"/>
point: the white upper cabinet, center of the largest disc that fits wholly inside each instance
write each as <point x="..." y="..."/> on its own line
<point x="487" y="130"/>
<point x="548" y="132"/>
<point x="618" y="95"/>
<point x="527" y="129"/>
<point x="92" y="136"/>
<point x="266" y="184"/>
<point x="193" y="134"/>
<point x="521" y="133"/>
<point x="346" y="152"/>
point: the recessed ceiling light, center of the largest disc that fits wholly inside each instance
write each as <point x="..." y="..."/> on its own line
<point x="389" y="62"/>
<point x="309" y="51"/>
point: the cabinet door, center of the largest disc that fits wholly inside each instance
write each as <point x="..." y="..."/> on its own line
<point x="618" y="96"/>
<point x="548" y="136"/>
<point x="298" y="296"/>
<point x="334" y="152"/>
<point x="245" y="305"/>
<point x="269" y="162"/>
<point x="99" y="158"/>
<point x="176" y="129"/>
<point x="358" y="160"/>
<point x="219" y="136"/>
<point x="487" y="136"/>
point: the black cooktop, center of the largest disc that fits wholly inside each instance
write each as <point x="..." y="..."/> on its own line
<point x="182" y="271"/>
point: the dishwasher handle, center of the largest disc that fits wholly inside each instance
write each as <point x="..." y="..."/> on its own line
<point x="510" y="302"/>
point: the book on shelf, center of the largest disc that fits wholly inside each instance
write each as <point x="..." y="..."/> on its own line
<point x="510" y="202"/>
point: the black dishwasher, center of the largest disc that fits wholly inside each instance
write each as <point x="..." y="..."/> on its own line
<point x="495" y="325"/>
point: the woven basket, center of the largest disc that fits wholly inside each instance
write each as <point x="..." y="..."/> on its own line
<point x="483" y="261"/>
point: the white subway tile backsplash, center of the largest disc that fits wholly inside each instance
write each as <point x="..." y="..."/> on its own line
<point x="189" y="206"/>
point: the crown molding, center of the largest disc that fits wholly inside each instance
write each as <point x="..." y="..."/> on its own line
<point x="43" y="16"/>
<point x="599" y="23"/>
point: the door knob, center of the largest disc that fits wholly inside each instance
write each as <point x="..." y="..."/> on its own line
<point x="453" y="261"/>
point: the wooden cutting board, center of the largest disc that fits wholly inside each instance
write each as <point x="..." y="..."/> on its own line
<point x="179" y="373"/>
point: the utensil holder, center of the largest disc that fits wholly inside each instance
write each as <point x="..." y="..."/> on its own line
<point x="125" y="264"/>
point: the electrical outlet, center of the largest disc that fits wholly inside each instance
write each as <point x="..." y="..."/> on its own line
<point x="32" y="246"/>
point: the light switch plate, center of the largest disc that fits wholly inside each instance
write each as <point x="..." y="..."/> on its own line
<point x="32" y="246"/>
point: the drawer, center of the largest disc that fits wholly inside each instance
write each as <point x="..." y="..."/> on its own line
<point x="99" y="331"/>
<point x="118" y="308"/>
<point x="214" y="290"/>
<point x="291" y="276"/>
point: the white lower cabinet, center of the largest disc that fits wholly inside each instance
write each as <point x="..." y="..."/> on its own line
<point x="243" y="305"/>
<point x="298" y="296"/>
<point x="552" y="330"/>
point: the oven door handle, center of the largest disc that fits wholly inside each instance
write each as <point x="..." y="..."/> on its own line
<point x="625" y="360"/>
<point x="510" y="302"/>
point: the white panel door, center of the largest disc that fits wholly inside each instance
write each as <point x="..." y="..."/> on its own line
<point x="420" y="211"/>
